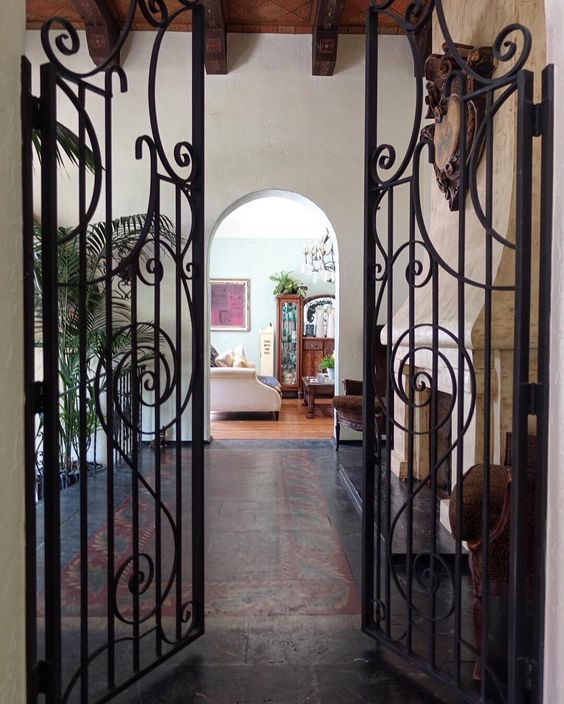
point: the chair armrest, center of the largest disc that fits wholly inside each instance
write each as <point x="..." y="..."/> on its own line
<point x="470" y="528"/>
<point x="352" y="387"/>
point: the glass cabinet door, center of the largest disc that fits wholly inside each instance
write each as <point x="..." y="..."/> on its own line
<point x="289" y="343"/>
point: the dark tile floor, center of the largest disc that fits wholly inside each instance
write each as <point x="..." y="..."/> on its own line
<point x="290" y="646"/>
<point x="283" y="554"/>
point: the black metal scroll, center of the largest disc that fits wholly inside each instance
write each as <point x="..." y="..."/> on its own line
<point x="115" y="567"/>
<point x="459" y="596"/>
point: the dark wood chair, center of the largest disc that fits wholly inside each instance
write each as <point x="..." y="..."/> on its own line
<point x="470" y="529"/>
<point x="348" y="410"/>
<point x="348" y="407"/>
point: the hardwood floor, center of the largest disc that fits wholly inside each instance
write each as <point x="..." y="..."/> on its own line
<point x="293" y="423"/>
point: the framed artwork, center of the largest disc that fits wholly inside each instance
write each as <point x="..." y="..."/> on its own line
<point x="230" y="304"/>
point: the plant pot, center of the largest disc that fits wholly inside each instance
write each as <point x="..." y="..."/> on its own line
<point x="330" y="372"/>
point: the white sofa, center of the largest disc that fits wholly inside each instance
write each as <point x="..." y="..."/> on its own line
<point x="237" y="390"/>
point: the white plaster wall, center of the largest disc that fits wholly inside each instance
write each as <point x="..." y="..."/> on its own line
<point x="269" y="124"/>
<point x="12" y="584"/>
<point x="554" y="642"/>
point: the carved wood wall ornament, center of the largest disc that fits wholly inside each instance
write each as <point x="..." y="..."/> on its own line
<point x="446" y="111"/>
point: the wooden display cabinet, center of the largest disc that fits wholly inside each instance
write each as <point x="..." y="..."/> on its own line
<point x="289" y="328"/>
<point x="313" y="350"/>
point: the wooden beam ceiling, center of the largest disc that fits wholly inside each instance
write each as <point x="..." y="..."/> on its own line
<point x="216" y="38"/>
<point x="324" y="19"/>
<point x="102" y="30"/>
<point x="325" y="36"/>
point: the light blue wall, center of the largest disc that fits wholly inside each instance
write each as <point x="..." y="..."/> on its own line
<point x="256" y="260"/>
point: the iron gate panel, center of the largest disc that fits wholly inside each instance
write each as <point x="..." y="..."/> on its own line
<point x="115" y="309"/>
<point x="453" y="575"/>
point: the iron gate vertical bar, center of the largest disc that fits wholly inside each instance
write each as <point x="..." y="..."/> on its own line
<point x="369" y="303"/>
<point x="433" y="455"/>
<point x="488" y="279"/>
<point x="51" y="381"/>
<point x="178" y="404"/>
<point x="198" y="293"/>
<point x="157" y="422"/>
<point x="412" y="400"/>
<point x="461" y="374"/>
<point x="110" y="447"/>
<point x="516" y="643"/>
<point x="389" y="401"/>
<point x="543" y="377"/>
<point x="28" y="103"/>
<point x="135" y="441"/>
<point x="83" y="375"/>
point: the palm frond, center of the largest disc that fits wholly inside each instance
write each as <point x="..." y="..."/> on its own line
<point x="68" y="144"/>
<point x="91" y="328"/>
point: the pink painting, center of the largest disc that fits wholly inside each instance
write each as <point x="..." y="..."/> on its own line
<point x="230" y="304"/>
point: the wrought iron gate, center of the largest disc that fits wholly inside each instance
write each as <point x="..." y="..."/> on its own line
<point x="453" y="574"/>
<point x="114" y="351"/>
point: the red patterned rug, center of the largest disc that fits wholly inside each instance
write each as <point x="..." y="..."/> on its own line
<point x="271" y="546"/>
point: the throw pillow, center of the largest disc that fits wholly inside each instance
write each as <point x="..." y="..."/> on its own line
<point x="224" y="359"/>
<point x="240" y="361"/>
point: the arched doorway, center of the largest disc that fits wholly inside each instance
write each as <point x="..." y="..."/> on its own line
<point x="260" y="236"/>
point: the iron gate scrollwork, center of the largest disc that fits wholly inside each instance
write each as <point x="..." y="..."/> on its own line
<point x="115" y="579"/>
<point x="454" y="583"/>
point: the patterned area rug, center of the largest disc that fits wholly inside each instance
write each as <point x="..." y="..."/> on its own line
<point x="271" y="548"/>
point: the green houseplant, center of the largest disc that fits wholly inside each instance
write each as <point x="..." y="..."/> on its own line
<point x="286" y="283"/>
<point x="125" y="233"/>
<point x="327" y="364"/>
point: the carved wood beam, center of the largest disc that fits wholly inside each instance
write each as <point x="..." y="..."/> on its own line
<point x="102" y="29"/>
<point x="216" y="38"/>
<point x="325" y="36"/>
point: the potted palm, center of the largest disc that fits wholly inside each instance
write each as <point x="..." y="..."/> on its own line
<point x="124" y="235"/>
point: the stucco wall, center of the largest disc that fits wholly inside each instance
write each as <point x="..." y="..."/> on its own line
<point x="269" y="124"/>
<point x="554" y="643"/>
<point x="11" y="497"/>
<point x="12" y="584"/>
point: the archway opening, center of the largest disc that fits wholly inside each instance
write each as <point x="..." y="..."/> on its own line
<point x="259" y="246"/>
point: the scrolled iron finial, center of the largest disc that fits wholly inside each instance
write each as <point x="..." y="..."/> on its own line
<point x="67" y="43"/>
<point x="504" y="50"/>
<point x="155" y="12"/>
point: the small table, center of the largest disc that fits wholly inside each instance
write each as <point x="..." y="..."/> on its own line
<point x="313" y="388"/>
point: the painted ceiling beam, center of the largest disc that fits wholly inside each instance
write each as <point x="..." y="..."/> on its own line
<point x="102" y="29"/>
<point x="215" y="39"/>
<point x="325" y="36"/>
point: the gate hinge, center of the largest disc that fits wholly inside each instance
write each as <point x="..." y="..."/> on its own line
<point x="37" y="396"/>
<point x="42" y="676"/>
<point x="538" y="119"/>
<point x="533" y="392"/>
<point x="529" y="673"/>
